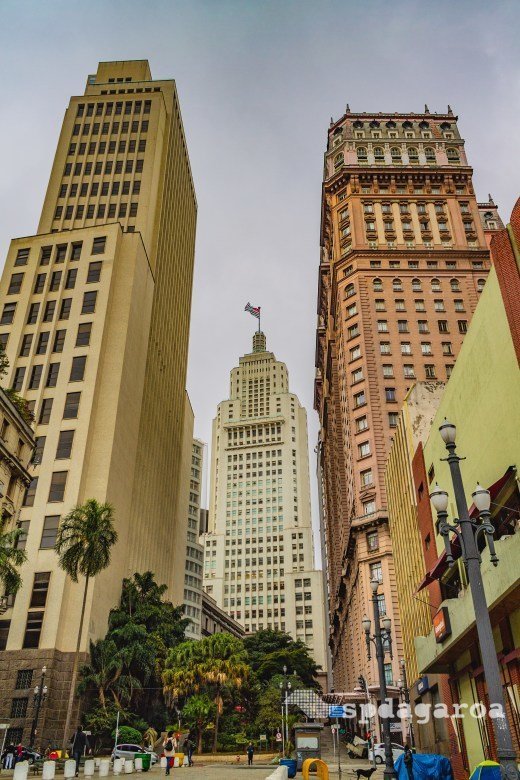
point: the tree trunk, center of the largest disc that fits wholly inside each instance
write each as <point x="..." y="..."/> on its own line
<point x="75" y="669"/>
<point x="199" y="741"/>
<point x="215" y="738"/>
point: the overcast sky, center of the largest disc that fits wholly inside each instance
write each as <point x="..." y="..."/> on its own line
<point x="258" y="83"/>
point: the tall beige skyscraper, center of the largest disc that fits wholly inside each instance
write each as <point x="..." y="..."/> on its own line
<point x="258" y="552"/>
<point x="194" y="550"/>
<point x="94" y="316"/>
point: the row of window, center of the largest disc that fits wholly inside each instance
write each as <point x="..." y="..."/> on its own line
<point x="77" y="373"/>
<point x="385" y="348"/>
<point x="90" y="212"/>
<point x="402" y="188"/>
<point x="420" y="304"/>
<point x="110" y="166"/>
<point x="102" y="148"/>
<point x="88" y="306"/>
<point x="388" y="372"/>
<point x="397" y="285"/>
<point x="93" y="276"/>
<point x="120" y="107"/>
<point x="105" y="128"/>
<point x="60" y="252"/>
<point x="403" y="327"/>
<point x="74" y="189"/>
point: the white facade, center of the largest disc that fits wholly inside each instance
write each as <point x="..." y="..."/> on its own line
<point x="258" y="552"/>
<point x="194" y="550"/>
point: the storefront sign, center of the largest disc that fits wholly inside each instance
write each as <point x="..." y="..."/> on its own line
<point x="422" y="685"/>
<point x="441" y="625"/>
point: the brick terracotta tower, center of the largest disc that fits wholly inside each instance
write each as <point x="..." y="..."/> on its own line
<point x="404" y="257"/>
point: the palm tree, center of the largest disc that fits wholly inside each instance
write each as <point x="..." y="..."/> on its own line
<point x="104" y="674"/>
<point x="84" y="544"/>
<point x="11" y="557"/>
<point x="197" y="713"/>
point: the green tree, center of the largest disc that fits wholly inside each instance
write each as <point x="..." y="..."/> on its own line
<point x="217" y="662"/>
<point x="197" y="713"/>
<point x="269" y="651"/>
<point x="104" y="673"/>
<point x="269" y="717"/>
<point x="84" y="544"/>
<point x="11" y="557"/>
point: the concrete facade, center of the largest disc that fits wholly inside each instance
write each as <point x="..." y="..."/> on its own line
<point x="194" y="550"/>
<point x="215" y="620"/>
<point x="403" y="261"/>
<point x="96" y="329"/>
<point x="258" y="552"/>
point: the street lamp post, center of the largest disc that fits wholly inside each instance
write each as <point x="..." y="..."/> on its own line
<point x="405" y="693"/>
<point x="383" y="643"/>
<point x="285" y="688"/>
<point x="469" y="532"/>
<point x="40" y="694"/>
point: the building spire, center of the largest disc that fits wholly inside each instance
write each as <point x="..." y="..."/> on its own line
<point x="259" y="342"/>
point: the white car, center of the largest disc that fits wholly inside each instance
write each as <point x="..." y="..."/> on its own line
<point x="379" y="750"/>
<point x="129" y="751"/>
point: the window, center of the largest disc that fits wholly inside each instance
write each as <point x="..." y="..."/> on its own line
<point x="76" y="251"/>
<point x="45" y="255"/>
<point x="480" y="285"/>
<point x="33" y="629"/>
<point x="449" y="369"/>
<point x="70" y="281"/>
<point x="361" y="154"/>
<point x="36" y="375"/>
<point x="64" y="447"/>
<point x="48" y="313"/>
<point x="45" y="411"/>
<point x="18" y="378"/>
<point x="52" y="375"/>
<point x="452" y="155"/>
<point x="55" y="281"/>
<point x="94" y="271"/>
<point x="351" y="310"/>
<point x="436" y="285"/>
<point x="423" y="326"/>
<point x="24" y="679"/>
<point x="402" y="326"/>
<point x="378" y="285"/>
<point x="357" y="375"/>
<point x="382" y="605"/>
<point x="30" y="492"/>
<point x="369" y="507"/>
<point x="443" y="326"/>
<point x="366" y="477"/>
<point x="390" y="396"/>
<point x="439" y="305"/>
<point x="364" y="449"/>
<point x="372" y="540"/>
<point x="353" y="331"/>
<point x="59" y="341"/>
<point x="384" y="348"/>
<point x="26" y="345"/>
<point x="8" y="313"/>
<point x="382" y="326"/>
<point x="463" y="326"/>
<point x="389" y="679"/>
<point x="376" y="571"/>
<point x="22" y="256"/>
<point x="98" y="245"/>
<point x="57" y="488"/>
<point x="38" y="450"/>
<point x="426" y="348"/>
<point x="89" y="302"/>
<point x="406" y="348"/>
<point x="40" y="589"/>
<point x="395" y="153"/>
<point x="19" y="708"/>
<point x="83" y="335"/>
<point x="446" y="348"/>
<point x="359" y="399"/>
<point x="397" y="285"/>
<point x="43" y="341"/>
<point x="419" y="305"/>
<point x="355" y="353"/>
<point x="361" y="424"/>
<point x="393" y="418"/>
<point x="388" y="371"/>
<point x="77" y="371"/>
<point x="430" y="154"/>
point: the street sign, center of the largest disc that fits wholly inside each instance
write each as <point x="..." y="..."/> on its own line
<point x="337" y="711"/>
<point x="278" y="736"/>
<point x="263" y="737"/>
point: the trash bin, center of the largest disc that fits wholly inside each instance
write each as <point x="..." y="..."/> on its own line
<point x="146" y="758"/>
<point x="291" y="764"/>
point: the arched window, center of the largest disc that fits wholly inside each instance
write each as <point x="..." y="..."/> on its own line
<point x="430" y="154"/>
<point x="362" y="154"/>
<point x="379" y="154"/>
<point x="480" y="284"/>
<point x="413" y="154"/>
<point x="378" y="285"/>
<point x="350" y="291"/>
<point x="436" y="285"/>
<point x="452" y="155"/>
<point x="397" y="285"/>
<point x="338" y="160"/>
<point x="395" y="153"/>
<point x="416" y="285"/>
<point x="454" y="283"/>
<point x="338" y="139"/>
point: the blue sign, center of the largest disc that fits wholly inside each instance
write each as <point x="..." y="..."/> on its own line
<point x="422" y="685"/>
<point x="336" y="711"/>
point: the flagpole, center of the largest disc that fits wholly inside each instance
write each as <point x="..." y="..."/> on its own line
<point x="259" y="314"/>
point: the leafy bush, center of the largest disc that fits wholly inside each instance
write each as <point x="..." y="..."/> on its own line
<point x="129" y="735"/>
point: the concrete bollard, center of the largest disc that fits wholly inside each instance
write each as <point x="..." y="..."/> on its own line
<point x="48" y="770"/>
<point x="89" y="767"/>
<point x="118" y="765"/>
<point x="138" y="763"/>
<point x="20" y="770"/>
<point x="129" y="766"/>
<point x="104" y="766"/>
<point x="163" y="762"/>
<point x="97" y="762"/>
<point x="69" y="770"/>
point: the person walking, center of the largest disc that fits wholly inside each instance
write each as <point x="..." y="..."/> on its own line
<point x="250" y="753"/>
<point x="188" y="747"/>
<point x="79" y="744"/>
<point x="408" y="761"/>
<point x="169" y="750"/>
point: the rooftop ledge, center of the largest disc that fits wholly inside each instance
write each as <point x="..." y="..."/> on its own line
<point x="502" y="588"/>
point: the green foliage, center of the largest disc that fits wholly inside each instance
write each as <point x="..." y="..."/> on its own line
<point x="21" y="405"/>
<point x="85" y="539"/>
<point x="269" y="718"/>
<point x="11" y="558"/>
<point x="4" y="361"/>
<point x="150" y="736"/>
<point x="268" y="651"/>
<point x="105" y="673"/>
<point x="198" y="712"/>
<point x="129" y="735"/>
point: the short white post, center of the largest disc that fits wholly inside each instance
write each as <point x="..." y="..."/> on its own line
<point x="69" y="770"/>
<point x="48" y="770"/>
<point x="163" y="762"/>
<point x="138" y="764"/>
<point x="104" y="766"/>
<point x="129" y="766"/>
<point x="89" y="767"/>
<point x="20" y="770"/>
<point x="118" y="765"/>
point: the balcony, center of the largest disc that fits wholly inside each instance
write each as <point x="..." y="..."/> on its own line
<point x="502" y="588"/>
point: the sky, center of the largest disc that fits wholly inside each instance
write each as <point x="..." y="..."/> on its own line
<point x="258" y="81"/>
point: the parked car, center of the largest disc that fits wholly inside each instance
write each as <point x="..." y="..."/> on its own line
<point x="379" y="750"/>
<point x="30" y="755"/>
<point x="128" y="751"/>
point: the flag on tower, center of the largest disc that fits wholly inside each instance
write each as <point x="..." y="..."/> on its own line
<point x="254" y="310"/>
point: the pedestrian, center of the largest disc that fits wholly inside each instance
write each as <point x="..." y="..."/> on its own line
<point x="188" y="747"/>
<point x="79" y="744"/>
<point x="250" y="753"/>
<point x="169" y="750"/>
<point x="9" y="754"/>
<point x="408" y="761"/>
<point x="19" y="753"/>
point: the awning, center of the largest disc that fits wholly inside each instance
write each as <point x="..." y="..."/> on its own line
<point x="441" y="564"/>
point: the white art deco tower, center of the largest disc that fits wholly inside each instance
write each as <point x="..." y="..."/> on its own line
<point x="258" y="552"/>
